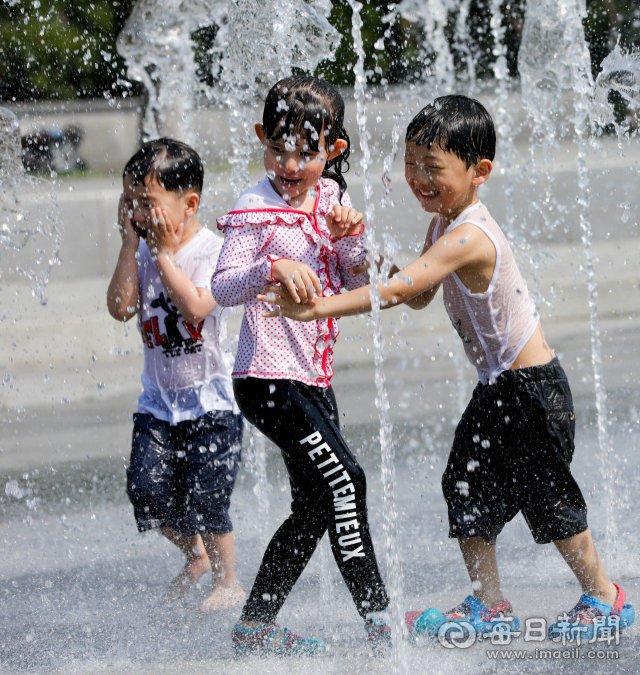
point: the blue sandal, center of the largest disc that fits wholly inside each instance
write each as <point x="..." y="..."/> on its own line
<point x="483" y="619"/>
<point x="265" y="640"/>
<point x="591" y="617"/>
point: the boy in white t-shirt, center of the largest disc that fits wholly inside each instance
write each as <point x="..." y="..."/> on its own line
<point x="187" y="432"/>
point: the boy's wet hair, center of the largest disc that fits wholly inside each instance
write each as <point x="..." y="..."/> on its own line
<point x="457" y="124"/>
<point x="305" y="107"/>
<point x="176" y="166"/>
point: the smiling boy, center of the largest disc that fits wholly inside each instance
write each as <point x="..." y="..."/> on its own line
<point x="514" y="444"/>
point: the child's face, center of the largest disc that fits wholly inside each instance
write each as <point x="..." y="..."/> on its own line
<point x="440" y="180"/>
<point x="293" y="169"/>
<point x="140" y="199"/>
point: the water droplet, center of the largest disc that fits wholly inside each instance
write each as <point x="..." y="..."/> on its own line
<point x="12" y="489"/>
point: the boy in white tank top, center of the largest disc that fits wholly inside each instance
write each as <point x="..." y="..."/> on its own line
<point x="513" y="446"/>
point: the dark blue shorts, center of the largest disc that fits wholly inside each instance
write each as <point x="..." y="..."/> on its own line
<point x="512" y="452"/>
<point x="182" y="476"/>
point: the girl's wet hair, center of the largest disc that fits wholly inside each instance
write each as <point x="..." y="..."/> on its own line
<point x="456" y="124"/>
<point x="305" y="107"/>
<point x="176" y="166"/>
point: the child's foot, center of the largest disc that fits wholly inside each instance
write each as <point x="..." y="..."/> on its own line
<point x="481" y="617"/>
<point x="591" y="616"/>
<point x="224" y="597"/>
<point x="273" y="639"/>
<point x="417" y="622"/>
<point x="192" y="571"/>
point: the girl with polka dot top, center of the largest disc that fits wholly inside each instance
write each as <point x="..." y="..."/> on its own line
<point x="297" y="228"/>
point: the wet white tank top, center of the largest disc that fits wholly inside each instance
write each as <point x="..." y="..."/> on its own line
<point x="495" y="325"/>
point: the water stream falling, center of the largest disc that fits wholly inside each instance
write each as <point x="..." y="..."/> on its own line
<point x="29" y="241"/>
<point x="10" y="148"/>
<point x="433" y="16"/>
<point x="256" y="461"/>
<point x="158" y="50"/>
<point x="388" y="469"/>
<point x="555" y="65"/>
<point x="287" y="35"/>
<point x="503" y="118"/>
<point x="621" y="73"/>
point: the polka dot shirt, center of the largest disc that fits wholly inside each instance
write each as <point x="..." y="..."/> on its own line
<point x="261" y="229"/>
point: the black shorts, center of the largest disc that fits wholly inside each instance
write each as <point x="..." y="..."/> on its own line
<point x="511" y="452"/>
<point x="182" y="476"/>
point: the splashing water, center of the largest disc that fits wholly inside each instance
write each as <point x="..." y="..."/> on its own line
<point x="10" y="149"/>
<point x="433" y="15"/>
<point x="387" y="450"/>
<point x="398" y="128"/>
<point x="620" y="72"/>
<point x="158" y="51"/>
<point x="23" y="233"/>
<point x="256" y="461"/>
<point x="295" y="34"/>
<point x="503" y="117"/>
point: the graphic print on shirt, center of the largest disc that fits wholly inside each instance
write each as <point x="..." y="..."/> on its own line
<point x="172" y="341"/>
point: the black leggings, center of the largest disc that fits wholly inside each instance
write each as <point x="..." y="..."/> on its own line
<point x="328" y="491"/>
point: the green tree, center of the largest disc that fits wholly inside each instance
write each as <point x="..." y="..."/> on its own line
<point x="60" y="49"/>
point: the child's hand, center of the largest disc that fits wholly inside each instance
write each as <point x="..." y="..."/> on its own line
<point x="128" y="232"/>
<point x="343" y="221"/>
<point x="162" y="235"/>
<point x="301" y="281"/>
<point x="288" y="307"/>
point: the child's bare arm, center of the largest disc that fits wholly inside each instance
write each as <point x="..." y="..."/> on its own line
<point x="122" y="295"/>
<point x="464" y="248"/>
<point x="419" y="301"/>
<point x="422" y="300"/>
<point x="193" y="303"/>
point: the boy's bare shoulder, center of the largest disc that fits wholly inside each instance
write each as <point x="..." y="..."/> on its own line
<point x="472" y="244"/>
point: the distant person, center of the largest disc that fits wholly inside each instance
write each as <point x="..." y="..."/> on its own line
<point x="513" y="446"/>
<point x="297" y="227"/>
<point x="187" y="433"/>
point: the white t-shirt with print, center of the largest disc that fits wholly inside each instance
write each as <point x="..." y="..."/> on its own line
<point x="187" y="367"/>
